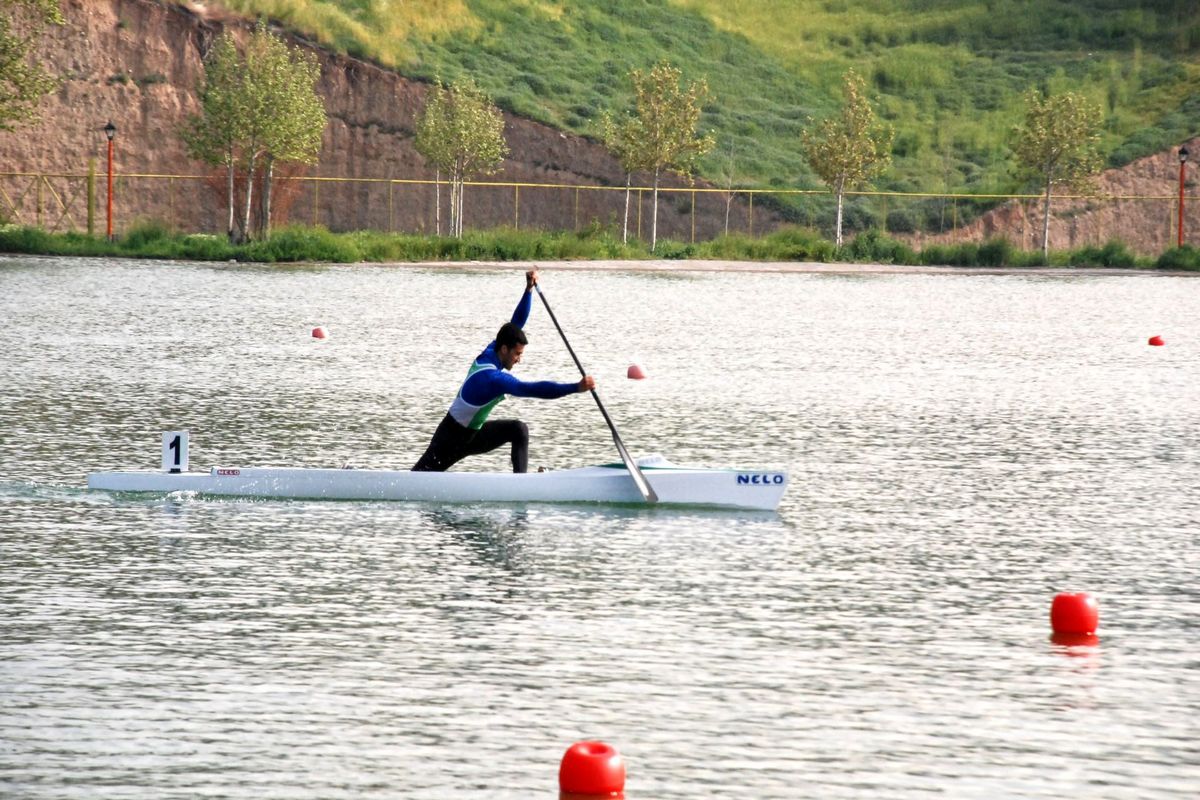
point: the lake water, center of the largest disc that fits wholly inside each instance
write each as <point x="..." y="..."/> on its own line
<point x="961" y="447"/>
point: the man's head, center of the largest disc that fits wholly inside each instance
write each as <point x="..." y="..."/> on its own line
<point x="510" y="344"/>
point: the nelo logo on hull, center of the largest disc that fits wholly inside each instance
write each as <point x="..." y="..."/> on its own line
<point x="761" y="479"/>
<point x="224" y="473"/>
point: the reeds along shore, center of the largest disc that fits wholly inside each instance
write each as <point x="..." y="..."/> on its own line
<point x="316" y="244"/>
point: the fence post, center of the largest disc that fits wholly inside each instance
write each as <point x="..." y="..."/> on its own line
<point x="639" y="213"/>
<point x="693" y="216"/>
<point x="577" y="208"/>
<point x="751" y="213"/>
<point x="91" y="197"/>
<point x="316" y="188"/>
<point x="38" y="194"/>
<point x="516" y="208"/>
<point x="391" y="217"/>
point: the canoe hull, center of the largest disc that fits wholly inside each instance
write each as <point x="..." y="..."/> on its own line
<point x="745" y="489"/>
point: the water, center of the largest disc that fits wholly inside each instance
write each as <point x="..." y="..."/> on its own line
<point x="961" y="449"/>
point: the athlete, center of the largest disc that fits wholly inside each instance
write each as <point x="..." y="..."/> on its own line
<point x="466" y="430"/>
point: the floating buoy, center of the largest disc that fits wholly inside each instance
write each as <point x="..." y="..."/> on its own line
<point x="634" y="373"/>
<point x="1157" y="341"/>
<point x="592" y="769"/>
<point x="1074" y="613"/>
<point x="319" y="332"/>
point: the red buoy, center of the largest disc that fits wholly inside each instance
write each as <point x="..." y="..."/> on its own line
<point x="594" y="769"/>
<point x="318" y="332"/>
<point x="634" y="373"/>
<point x="1157" y="341"/>
<point x="1074" y="613"/>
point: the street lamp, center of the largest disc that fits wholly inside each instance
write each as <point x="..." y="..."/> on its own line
<point x="1183" y="157"/>
<point x="110" y="131"/>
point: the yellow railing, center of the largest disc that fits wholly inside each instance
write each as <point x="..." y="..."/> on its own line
<point x="196" y="203"/>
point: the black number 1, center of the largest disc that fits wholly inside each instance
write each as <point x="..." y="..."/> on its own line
<point x="174" y="445"/>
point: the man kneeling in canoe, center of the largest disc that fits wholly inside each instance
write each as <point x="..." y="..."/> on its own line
<point x="466" y="430"/>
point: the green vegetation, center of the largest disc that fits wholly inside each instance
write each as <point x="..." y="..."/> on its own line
<point x="300" y="243"/>
<point x="257" y="108"/>
<point x="848" y="148"/>
<point x="1058" y="144"/>
<point x="23" y="81"/>
<point x="948" y="75"/>
<point x="460" y="133"/>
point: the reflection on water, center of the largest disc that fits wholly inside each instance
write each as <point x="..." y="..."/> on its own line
<point x="961" y="449"/>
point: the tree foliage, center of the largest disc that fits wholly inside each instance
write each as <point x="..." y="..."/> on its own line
<point x="849" y="148"/>
<point x="1058" y="143"/>
<point x="461" y="133"/>
<point x="23" y="81"/>
<point x="259" y="108"/>
<point x="661" y="135"/>
<point x="622" y="138"/>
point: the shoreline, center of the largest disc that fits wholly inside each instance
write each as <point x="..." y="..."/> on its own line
<point x="780" y="267"/>
<point x="671" y="266"/>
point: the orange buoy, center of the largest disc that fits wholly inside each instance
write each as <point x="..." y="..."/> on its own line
<point x="593" y="769"/>
<point x="635" y="373"/>
<point x="1074" y="613"/>
<point x="1157" y="341"/>
<point x="319" y="332"/>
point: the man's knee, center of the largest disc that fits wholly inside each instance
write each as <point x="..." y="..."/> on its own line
<point x="521" y="431"/>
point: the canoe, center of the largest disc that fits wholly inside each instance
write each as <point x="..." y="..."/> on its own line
<point x="607" y="483"/>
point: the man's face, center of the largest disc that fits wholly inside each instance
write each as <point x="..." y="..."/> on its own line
<point x="510" y="356"/>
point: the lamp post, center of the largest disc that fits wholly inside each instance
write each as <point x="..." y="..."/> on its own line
<point x="110" y="131"/>
<point x="1183" y="157"/>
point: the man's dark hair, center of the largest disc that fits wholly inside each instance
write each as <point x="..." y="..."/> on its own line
<point x="510" y="336"/>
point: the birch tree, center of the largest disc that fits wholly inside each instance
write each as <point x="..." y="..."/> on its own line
<point x="622" y="140"/>
<point x="214" y="135"/>
<point x="23" y="80"/>
<point x="1058" y="143"/>
<point x="849" y="148"/>
<point x="260" y="107"/>
<point x="460" y="133"/>
<point x="667" y="115"/>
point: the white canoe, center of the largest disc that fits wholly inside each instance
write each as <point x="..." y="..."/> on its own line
<point x="691" y="486"/>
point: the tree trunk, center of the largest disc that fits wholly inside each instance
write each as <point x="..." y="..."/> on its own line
<point x="728" y="205"/>
<point x="654" y="216"/>
<point x="1046" y="224"/>
<point x="232" y="203"/>
<point x="437" y="202"/>
<point x="628" y="189"/>
<point x="462" y="187"/>
<point x="266" y="217"/>
<point x="841" y="186"/>
<point x="249" y="194"/>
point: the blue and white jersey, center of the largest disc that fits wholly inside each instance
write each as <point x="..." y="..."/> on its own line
<point x="487" y="382"/>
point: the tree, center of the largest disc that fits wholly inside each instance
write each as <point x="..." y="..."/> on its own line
<point x="664" y="135"/>
<point x="214" y="136"/>
<point x="849" y="148"/>
<point x="622" y="140"/>
<point x="23" y="81"/>
<point x="460" y="133"/>
<point x="257" y="107"/>
<point x="1058" y="143"/>
<point x="294" y="113"/>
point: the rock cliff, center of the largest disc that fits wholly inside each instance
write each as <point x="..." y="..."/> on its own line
<point x="137" y="63"/>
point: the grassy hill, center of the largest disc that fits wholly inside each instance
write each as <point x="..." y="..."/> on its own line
<point x="947" y="74"/>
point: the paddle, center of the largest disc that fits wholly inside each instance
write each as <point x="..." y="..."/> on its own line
<point x="639" y="479"/>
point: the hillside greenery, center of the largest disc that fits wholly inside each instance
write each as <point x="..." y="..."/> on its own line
<point x="948" y="75"/>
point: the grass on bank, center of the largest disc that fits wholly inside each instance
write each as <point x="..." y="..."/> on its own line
<point x="317" y="244"/>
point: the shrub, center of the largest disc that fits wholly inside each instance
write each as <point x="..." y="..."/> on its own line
<point x="146" y="233"/>
<point x="873" y="246"/>
<point x="295" y="243"/>
<point x="1113" y="254"/>
<point x="1180" y="258"/>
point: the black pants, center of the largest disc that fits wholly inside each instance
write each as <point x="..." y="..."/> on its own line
<point x="452" y="442"/>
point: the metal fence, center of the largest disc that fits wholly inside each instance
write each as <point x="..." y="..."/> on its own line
<point x="61" y="202"/>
